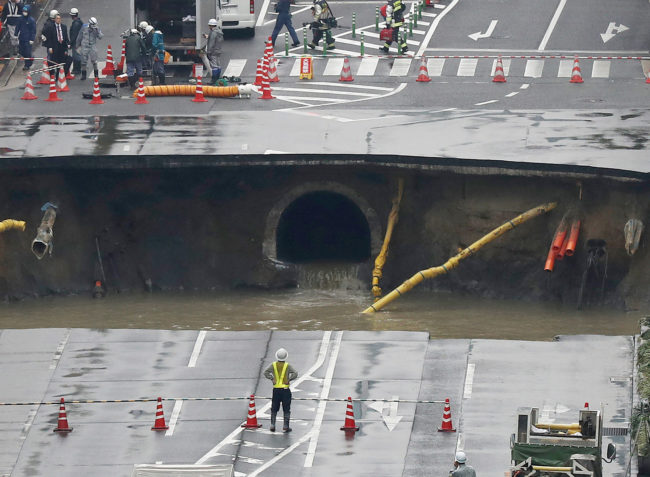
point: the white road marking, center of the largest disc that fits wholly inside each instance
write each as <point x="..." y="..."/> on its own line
<point x="444" y="110"/>
<point x="524" y="86"/>
<point x="127" y="147"/>
<point x="434" y="25"/>
<point x="469" y="381"/>
<point x="229" y="438"/>
<point x="28" y="422"/>
<point x="487" y="102"/>
<point x="350" y="86"/>
<point x="510" y="95"/>
<point x="368" y="67"/>
<point x="435" y="66"/>
<point x="327" y="383"/>
<point x="310" y="90"/>
<point x="59" y="350"/>
<point x="611" y="31"/>
<point x="476" y="36"/>
<point x="467" y="67"/>
<point x="600" y="69"/>
<point x="262" y="14"/>
<point x="551" y="26"/>
<point x="392" y="419"/>
<point x="399" y="89"/>
<point x="235" y="67"/>
<point x="197" y="349"/>
<point x="333" y="67"/>
<point x="295" y="70"/>
<point x="174" y="418"/>
<point x="565" y="68"/>
<point x="534" y="68"/>
<point x="310" y="98"/>
<point x="288" y="450"/>
<point x="482" y="51"/>
<point x="400" y="67"/>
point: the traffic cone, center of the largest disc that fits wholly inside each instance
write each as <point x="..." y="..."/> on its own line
<point x="424" y="71"/>
<point x="159" y="424"/>
<point x="53" y="96"/>
<point x="446" y="419"/>
<point x="109" y="69"/>
<point x="346" y="74"/>
<point x="647" y="80"/>
<point x="63" y="84"/>
<point x="273" y="70"/>
<point x="45" y="75"/>
<point x="349" y="425"/>
<point x="120" y="66"/>
<point x="142" y="99"/>
<point x="29" y="88"/>
<point x="266" y="87"/>
<point x="69" y="76"/>
<point x="259" y="73"/>
<point x="499" y="75"/>
<point x="62" y="424"/>
<point x="198" y="94"/>
<point x="251" y="419"/>
<point x="97" y="97"/>
<point x="576" y="75"/>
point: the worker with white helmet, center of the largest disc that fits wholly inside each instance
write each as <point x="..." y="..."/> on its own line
<point x="281" y="374"/>
<point x="211" y="52"/>
<point x="49" y="23"/>
<point x="87" y="46"/>
<point x="461" y="469"/>
<point x="75" y="28"/>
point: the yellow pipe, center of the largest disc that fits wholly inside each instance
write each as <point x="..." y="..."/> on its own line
<point x="558" y="427"/>
<point x="189" y="90"/>
<point x="9" y="224"/>
<point x="453" y="261"/>
<point x="548" y="468"/>
<point x="393" y="217"/>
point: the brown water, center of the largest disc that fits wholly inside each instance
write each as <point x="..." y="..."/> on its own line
<point x="442" y="315"/>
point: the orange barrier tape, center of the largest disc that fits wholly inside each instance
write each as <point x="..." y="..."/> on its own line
<point x="189" y="90"/>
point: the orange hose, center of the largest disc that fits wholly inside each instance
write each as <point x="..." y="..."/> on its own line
<point x="189" y="90"/>
<point x="562" y="251"/>
<point x="573" y="238"/>
<point x="550" y="260"/>
<point x="560" y="234"/>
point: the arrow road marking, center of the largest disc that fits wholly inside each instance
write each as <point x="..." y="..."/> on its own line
<point x="392" y="419"/>
<point x="487" y="34"/>
<point x="611" y="31"/>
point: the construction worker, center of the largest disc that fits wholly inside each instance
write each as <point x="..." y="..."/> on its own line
<point x="461" y="469"/>
<point x="158" y="50"/>
<point x="322" y="24"/>
<point x="135" y="50"/>
<point x="211" y="53"/>
<point x="10" y="16"/>
<point x="75" y="28"/>
<point x="26" y="33"/>
<point x="87" y="45"/>
<point x="281" y="374"/>
<point x="395" y="19"/>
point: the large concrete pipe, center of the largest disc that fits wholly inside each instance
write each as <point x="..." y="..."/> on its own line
<point x="43" y="241"/>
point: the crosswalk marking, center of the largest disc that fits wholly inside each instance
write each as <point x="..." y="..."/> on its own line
<point x="564" y="70"/>
<point x="400" y="67"/>
<point x="307" y="89"/>
<point x="430" y="15"/>
<point x="467" y="67"/>
<point x="435" y="65"/>
<point x="506" y="66"/>
<point x="235" y="67"/>
<point x="295" y="70"/>
<point x="534" y="68"/>
<point x="333" y="67"/>
<point x="600" y="69"/>
<point x="368" y="66"/>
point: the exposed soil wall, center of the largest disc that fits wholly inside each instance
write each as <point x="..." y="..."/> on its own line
<point x="203" y="228"/>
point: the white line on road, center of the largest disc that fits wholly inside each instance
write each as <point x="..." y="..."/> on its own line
<point x="487" y="102"/>
<point x="59" y="349"/>
<point x="400" y="88"/>
<point x="510" y="95"/>
<point x="288" y="450"/>
<point x="469" y="381"/>
<point x="262" y="14"/>
<point x="197" y="349"/>
<point x="551" y="26"/>
<point x="327" y="383"/>
<point x="172" y="420"/>
<point x="434" y="25"/>
<point x="524" y="86"/>
<point x="127" y="148"/>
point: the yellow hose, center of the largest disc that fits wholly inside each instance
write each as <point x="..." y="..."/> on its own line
<point x="12" y="224"/>
<point x="393" y="217"/>
<point x="453" y="262"/>
<point x="189" y="90"/>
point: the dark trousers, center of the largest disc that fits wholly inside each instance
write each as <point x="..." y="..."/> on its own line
<point x="60" y="55"/>
<point x="281" y="396"/>
<point x="284" y="19"/>
<point x="25" y="50"/>
<point x="318" y="34"/>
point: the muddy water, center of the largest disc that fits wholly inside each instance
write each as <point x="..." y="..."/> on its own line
<point x="442" y="315"/>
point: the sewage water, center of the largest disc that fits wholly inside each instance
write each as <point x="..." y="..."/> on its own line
<point x="442" y="315"/>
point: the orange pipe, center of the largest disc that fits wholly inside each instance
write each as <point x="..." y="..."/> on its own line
<point x="573" y="238"/>
<point x="550" y="260"/>
<point x="562" y="251"/>
<point x="560" y="234"/>
<point x="189" y="90"/>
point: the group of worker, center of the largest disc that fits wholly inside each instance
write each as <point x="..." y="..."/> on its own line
<point x="323" y="20"/>
<point x="144" y="49"/>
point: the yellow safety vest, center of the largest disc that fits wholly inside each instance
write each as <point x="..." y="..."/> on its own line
<point x="279" y="377"/>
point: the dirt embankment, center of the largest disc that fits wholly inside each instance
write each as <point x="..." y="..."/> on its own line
<point x="207" y="228"/>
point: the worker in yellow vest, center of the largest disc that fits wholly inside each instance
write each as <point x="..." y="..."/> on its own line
<point x="281" y="374"/>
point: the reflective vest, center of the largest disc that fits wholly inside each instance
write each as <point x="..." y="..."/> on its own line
<point x="279" y="377"/>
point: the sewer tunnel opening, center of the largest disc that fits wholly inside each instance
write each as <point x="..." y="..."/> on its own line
<point x="323" y="226"/>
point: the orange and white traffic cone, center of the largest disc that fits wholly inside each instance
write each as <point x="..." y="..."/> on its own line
<point x="198" y="94"/>
<point x="446" y="419"/>
<point x="424" y="71"/>
<point x="53" y="96"/>
<point x="251" y="419"/>
<point x="45" y="74"/>
<point x="29" y="88"/>
<point x="349" y="425"/>
<point x="647" y="80"/>
<point x="62" y="423"/>
<point x="576" y="75"/>
<point x="266" y="87"/>
<point x="259" y="73"/>
<point x="141" y="99"/>
<point x="120" y="66"/>
<point x="109" y="69"/>
<point x="273" y="70"/>
<point x="63" y="84"/>
<point x="499" y="74"/>
<point x="97" y="97"/>
<point x="159" y="424"/>
<point x="346" y="73"/>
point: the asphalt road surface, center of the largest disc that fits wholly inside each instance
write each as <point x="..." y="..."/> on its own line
<point x="485" y="380"/>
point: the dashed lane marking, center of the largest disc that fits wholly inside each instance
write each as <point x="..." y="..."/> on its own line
<point x="197" y="349"/>
<point x="510" y="95"/>
<point x="486" y="102"/>
<point x="174" y="418"/>
<point x="469" y="381"/>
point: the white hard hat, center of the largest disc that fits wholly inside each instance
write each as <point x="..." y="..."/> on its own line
<point x="148" y="28"/>
<point x="212" y="22"/>
<point x="134" y="31"/>
<point x="53" y="14"/>
<point x="461" y="458"/>
<point x="143" y="25"/>
<point x="281" y="354"/>
<point x="92" y="21"/>
<point x="74" y="11"/>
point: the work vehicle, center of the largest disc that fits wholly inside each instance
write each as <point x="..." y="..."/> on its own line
<point x="183" y="22"/>
<point x="557" y="449"/>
